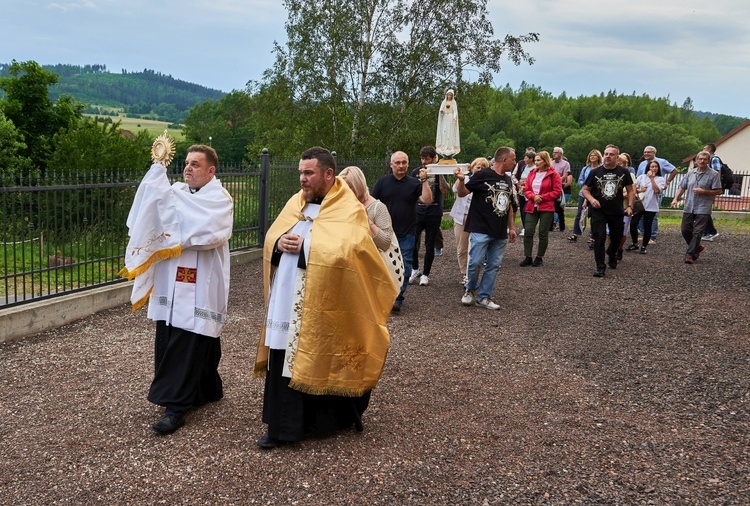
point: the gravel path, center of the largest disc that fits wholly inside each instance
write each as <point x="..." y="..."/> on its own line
<point x="632" y="389"/>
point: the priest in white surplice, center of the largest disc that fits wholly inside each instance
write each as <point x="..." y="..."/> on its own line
<point x="178" y="254"/>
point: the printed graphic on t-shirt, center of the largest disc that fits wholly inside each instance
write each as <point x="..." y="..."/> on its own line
<point x="609" y="184"/>
<point x="499" y="198"/>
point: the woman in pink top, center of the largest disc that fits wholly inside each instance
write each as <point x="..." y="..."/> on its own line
<point x="542" y="189"/>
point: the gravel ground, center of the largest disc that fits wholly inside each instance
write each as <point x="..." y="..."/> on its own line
<point x="632" y="389"/>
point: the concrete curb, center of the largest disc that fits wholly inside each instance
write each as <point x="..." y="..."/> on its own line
<point x="25" y="320"/>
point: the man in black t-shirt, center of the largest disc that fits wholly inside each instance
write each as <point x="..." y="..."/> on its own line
<point x="489" y="223"/>
<point x="400" y="193"/>
<point x="603" y="191"/>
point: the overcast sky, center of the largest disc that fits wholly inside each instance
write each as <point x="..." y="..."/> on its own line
<point x="675" y="48"/>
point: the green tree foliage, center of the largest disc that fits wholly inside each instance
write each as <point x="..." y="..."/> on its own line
<point x="726" y="124"/>
<point x="93" y="147"/>
<point x="361" y="71"/>
<point x="229" y="122"/>
<point x="139" y="93"/>
<point x="12" y="162"/>
<point x="36" y="117"/>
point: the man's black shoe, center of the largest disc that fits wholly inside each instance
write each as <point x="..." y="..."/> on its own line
<point x="599" y="273"/>
<point x="267" y="442"/>
<point x="619" y="255"/>
<point x="168" y="424"/>
<point x="396" y="307"/>
<point x="612" y="263"/>
<point x="537" y="262"/>
<point x="526" y="262"/>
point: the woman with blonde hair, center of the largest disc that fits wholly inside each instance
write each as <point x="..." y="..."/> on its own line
<point x="458" y="212"/>
<point x="381" y="227"/>
<point x="593" y="161"/>
<point x="543" y="187"/>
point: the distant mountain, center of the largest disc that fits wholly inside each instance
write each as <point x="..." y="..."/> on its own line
<point x="723" y="122"/>
<point x="149" y="94"/>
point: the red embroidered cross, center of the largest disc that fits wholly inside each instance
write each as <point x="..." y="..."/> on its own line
<point x="186" y="274"/>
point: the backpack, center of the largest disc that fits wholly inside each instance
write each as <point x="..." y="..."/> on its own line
<point x="727" y="176"/>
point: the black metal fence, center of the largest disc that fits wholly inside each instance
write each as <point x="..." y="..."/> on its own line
<point x="62" y="233"/>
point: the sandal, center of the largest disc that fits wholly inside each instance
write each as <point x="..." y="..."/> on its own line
<point x="573" y="238"/>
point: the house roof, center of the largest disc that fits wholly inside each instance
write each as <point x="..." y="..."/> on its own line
<point x="722" y="140"/>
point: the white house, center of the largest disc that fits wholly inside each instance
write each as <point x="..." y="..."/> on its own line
<point x="733" y="149"/>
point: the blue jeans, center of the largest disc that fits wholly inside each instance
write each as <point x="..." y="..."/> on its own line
<point x="483" y="247"/>
<point x="710" y="228"/>
<point x="406" y="245"/>
<point x="560" y="212"/>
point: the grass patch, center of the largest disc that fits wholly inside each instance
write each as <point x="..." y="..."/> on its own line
<point x="28" y="269"/>
<point x="153" y="127"/>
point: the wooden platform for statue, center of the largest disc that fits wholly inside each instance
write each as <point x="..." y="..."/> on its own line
<point x="446" y="166"/>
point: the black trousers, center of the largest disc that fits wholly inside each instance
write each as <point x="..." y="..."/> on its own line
<point x="185" y="369"/>
<point x="599" y="224"/>
<point x="431" y="226"/>
<point x="292" y="415"/>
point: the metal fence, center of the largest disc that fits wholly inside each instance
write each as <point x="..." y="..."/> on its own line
<point x="62" y="233"/>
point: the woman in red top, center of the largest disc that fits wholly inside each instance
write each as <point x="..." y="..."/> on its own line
<point x="543" y="188"/>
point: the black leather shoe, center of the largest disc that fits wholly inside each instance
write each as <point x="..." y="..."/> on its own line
<point x="619" y="255"/>
<point x="267" y="442"/>
<point x="612" y="263"/>
<point x="537" y="262"/>
<point x="526" y="262"/>
<point x="168" y="424"/>
<point x="599" y="273"/>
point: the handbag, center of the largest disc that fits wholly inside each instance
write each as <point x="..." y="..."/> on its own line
<point x="638" y="205"/>
<point x="394" y="262"/>
<point x="582" y="219"/>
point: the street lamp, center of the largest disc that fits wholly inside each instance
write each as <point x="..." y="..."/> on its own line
<point x="209" y="140"/>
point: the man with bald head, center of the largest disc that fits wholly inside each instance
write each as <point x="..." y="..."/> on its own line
<point x="400" y="193"/>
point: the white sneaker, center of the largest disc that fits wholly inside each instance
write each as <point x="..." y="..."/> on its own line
<point x="414" y="278"/>
<point x="710" y="238"/>
<point x="424" y="280"/>
<point x="486" y="302"/>
<point x="523" y="230"/>
<point x="468" y="298"/>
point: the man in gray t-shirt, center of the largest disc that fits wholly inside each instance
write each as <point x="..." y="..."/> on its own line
<point x="700" y="187"/>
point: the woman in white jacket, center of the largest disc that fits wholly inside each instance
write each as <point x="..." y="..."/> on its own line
<point x="648" y="186"/>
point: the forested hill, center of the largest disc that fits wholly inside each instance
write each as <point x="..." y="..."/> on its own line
<point x="139" y="93"/>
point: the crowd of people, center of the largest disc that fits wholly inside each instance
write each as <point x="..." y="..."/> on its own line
<point x="322" y="349"/>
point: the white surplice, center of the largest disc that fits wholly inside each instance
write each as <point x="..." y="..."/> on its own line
<point x="178" y="252"/>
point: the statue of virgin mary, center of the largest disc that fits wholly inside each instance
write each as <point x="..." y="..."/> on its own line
<point x="447" y="142"/>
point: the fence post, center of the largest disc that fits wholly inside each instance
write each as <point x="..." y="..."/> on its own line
<point x="265" y="169"/>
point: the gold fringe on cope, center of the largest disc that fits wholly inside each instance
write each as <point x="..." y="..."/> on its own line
<point x="158" y="256"/>
<point x="139" y="304"/>
<point x="330" y="390"/>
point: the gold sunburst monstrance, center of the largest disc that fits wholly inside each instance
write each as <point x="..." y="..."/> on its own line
<point x="163" y="149"/>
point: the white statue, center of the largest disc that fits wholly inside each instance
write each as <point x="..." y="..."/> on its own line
<point x="447" y="142"/>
